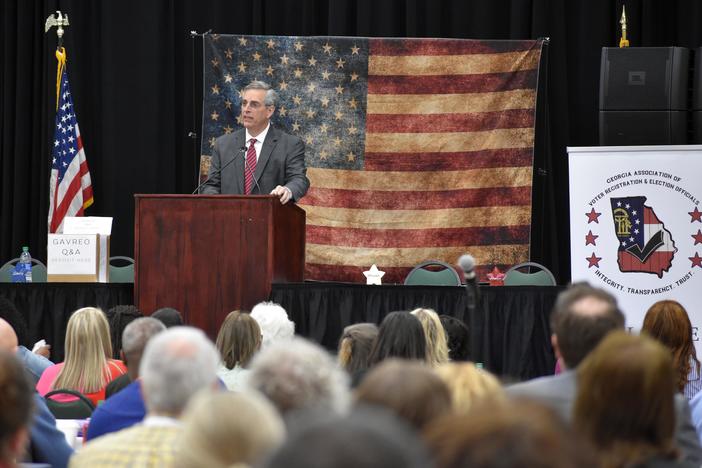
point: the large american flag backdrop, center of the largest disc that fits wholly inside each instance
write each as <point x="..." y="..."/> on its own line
<point x="416" y="149"/>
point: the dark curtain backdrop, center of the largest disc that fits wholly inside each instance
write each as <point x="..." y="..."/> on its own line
<point x="131" y="69"/>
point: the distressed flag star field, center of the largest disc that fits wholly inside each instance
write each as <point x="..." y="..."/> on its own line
<point x="416" y="149"/>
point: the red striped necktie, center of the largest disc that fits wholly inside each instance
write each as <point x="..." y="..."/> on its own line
<point x="250" y="166"/>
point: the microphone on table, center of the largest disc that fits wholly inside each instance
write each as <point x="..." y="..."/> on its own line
<point x="242" y="150"/>
<point x="467" y="264"/>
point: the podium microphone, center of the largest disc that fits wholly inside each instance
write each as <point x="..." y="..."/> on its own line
<point x="242" y="150"/>
<point x="467" y="264"/>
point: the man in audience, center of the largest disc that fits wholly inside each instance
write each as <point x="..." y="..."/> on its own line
<point x="177" y="363"/>
<point x="581" y="318"/>
<point x="274" y="323"/>
<point x="169" y="316"/>
<point x="126" y="407"/>
<point x="296" y="374"/>
<point x="16" y="414"/>
<point x="47" y="443"/>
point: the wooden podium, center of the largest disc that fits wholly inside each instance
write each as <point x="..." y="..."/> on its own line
<point x="207" y="255"/>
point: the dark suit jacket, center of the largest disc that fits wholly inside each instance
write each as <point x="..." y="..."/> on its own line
<point x="281" y="162"/>
<point x="559" y="392"/>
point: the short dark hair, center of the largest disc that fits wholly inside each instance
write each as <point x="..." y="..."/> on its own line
<point x="458" y="338"/>
<point x="169" y="316"/>
<point x="400" y="335"/>
<point x="411" y="390"/>
<point x="119" y="317"/>
<point x="366" y="438"/>
<point x="579" y="331"/>
<point x="16" y="401"/>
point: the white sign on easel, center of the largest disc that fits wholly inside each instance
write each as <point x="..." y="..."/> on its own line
<point x="636" y="225"/>
<point x="102" y="226"/>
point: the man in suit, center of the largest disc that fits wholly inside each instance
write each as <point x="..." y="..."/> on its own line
<point x="259" y="158"/>
<point x="581" y="318"/>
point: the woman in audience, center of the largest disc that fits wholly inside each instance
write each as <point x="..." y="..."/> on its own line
<point x="87" y="367"/>
<point x="400" y="335"/>
<point x="355" y="347"/>
<point x="668" y="322"/>
<point x="470" y="386"/>
<point x="437" y="344"/>
<point x="458" y="338"/>
<point x="625" y="402"/>
<point x="228" y="429"/>
<point x="410" y="390"/>
<point x="511" y="435"/>
<point x="274" y="322"/>
<point x="237" y="341"/>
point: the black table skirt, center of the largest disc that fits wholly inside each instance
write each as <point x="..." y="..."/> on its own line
<point x="509" y="330"/>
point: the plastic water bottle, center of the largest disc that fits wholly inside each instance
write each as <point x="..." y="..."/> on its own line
<point x="26" y="264"/>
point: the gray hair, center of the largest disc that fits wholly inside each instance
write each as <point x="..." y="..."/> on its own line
<point x="273" y="321"/>
<point x="298" y="374"/>
<point x="271" y="96"/>
<point x="138" y="332"/>
<point x="176" y="364"/>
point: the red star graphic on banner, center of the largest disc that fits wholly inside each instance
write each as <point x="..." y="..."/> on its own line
<point x="592" y="216"/>
<point x="590" y="238"/>
<point x="696" y="260"/>
<point x="594" y="260"/>
<point x="696" y="215"/>
<point x="697" y="237"/>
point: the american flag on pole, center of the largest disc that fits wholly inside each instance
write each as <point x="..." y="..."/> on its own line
<point x="70" y="190"/>
<point x="416" y="149"/>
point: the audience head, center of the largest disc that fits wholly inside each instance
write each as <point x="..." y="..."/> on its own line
<point x="238" y="339"/>
<point x="8" y="337"/>
<point x="668" y="322"/>
<point x="437" y="343"/>
<point x="274" y="322"/>
<point x="400" y="335"/>
<point x="469" y="386"/>
<point x="458" y="338"/>
<point x="226" y="428"/>
<point x="410" y="390"/>
<point x="134" y="339"/>
<point x="511" y="435"/>
<point x="581" y="317"/>
<point x="16" y="401"/>
<point x="9" y="312"/>
<point x="176" y="364"/>
<point x="119" y="317"/>
<point x="169" y="316"/>
<point x="297" y="375"/>
<point x="88" y="348"/>
<point x="355" y="345"/>
<point x="364" y="439"/>
<point x="625" y="400"/>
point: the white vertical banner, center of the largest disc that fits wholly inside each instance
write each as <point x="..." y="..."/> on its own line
<point x="636" y="225"/>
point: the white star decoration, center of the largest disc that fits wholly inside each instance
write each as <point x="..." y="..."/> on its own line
<point x="373" y="275"/>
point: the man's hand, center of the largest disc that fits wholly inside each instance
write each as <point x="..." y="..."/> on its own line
<point x="283" y="192"/>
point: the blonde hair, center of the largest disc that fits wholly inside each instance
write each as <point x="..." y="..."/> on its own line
<point x="88" y="349"/>
<point x="218" y="430"/>
<point x="469" y="385"/>
<point x="435" y="335"/>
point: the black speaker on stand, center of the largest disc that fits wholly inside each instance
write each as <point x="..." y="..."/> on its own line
<point x="697" y="99"/>
<point x="643" y="96"/>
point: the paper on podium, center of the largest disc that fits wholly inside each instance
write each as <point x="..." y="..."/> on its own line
<point x="100" y="225"/>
